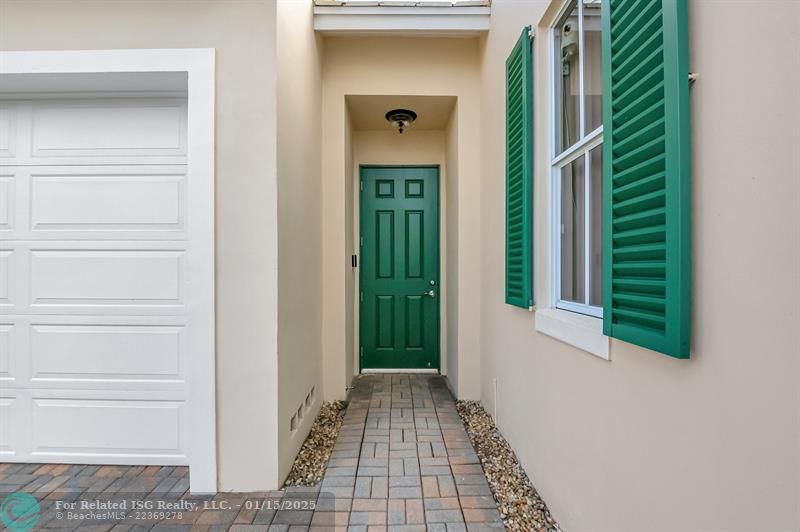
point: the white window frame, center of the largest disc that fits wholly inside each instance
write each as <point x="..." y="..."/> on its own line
<point x="581" y="148"/>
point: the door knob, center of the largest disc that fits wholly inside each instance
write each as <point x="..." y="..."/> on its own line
<point x="430" y="293"/>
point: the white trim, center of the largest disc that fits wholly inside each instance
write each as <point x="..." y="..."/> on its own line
<point x="580" y="308"/>
<point x="410" y="20"/>
<point x="583" y="332"/>
<point x="581" y="148"/>
<point x="581" y="90"/>
<point x="199" y="65"/>
<point x="592" y="140"/>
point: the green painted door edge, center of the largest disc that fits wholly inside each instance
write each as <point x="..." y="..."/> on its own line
<point x="410" y="192"/>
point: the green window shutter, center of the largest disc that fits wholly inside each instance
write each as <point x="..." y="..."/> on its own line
<point x="647" y="169"/>
<point x="519" y="172"/>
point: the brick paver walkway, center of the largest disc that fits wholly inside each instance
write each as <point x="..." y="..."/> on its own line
<point x="402" y="463"/>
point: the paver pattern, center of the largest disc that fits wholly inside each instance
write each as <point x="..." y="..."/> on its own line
<point x="402" y="463"/>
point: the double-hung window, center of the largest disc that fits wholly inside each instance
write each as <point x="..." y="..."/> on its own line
<point x="577" y="159"/>
<point x="620" y="161"/>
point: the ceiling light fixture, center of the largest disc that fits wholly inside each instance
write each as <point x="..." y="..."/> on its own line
<point x="401" y="118"/>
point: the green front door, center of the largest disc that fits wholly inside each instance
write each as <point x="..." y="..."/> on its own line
<point x="399" y="303"/>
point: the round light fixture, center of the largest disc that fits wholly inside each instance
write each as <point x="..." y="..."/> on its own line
<point x="401" y="118"/>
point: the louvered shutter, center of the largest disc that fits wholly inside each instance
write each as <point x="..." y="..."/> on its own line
<point x="519" y="172"/>
<point x="647" y="190"/>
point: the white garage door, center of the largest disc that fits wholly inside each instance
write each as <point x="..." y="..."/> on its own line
<point x="93" y="291"/>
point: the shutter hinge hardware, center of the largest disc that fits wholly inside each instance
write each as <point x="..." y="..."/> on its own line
<point x="361" y="185"/>
<point x="362" y="298"/>
<point x="531" y="33"/>
<point x="693" y="77"/>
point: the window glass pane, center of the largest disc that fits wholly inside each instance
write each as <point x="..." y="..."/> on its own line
<point x="596" y="238"/>
<point x="567" y="88"/>
<point x="573" y="251"/>
<point x="593" y="65"/>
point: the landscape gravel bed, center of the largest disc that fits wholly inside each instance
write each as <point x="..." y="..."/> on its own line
<point x="309" y="466"/>
<point x="520" y="506"/>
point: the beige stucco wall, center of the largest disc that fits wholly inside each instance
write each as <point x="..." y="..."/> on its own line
<point x="350" y="362"/>
<point x="299" y="225"/>
<point x="246" y="216"/>
<point x="450" y="359"/>
<point x="646" y="442"/>
<point x="370" y="66"/>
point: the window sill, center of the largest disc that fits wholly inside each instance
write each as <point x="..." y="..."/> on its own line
<point x="583" y="332"/>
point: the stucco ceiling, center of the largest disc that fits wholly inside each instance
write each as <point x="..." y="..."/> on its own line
<point x="367" y="112"/>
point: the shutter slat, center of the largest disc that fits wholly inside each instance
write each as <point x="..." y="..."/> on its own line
<point x="647" y="116"/>
<point x="647" y="245"/>
<point x="622" y="16"/>
<point x="644" y="169"/>
<point x="652" y="249"/>
<point x="519" y="133"/>
<point x="646" y="150"/>
<point x="649" y="63"/>
<point x="650" y="132"/>
<point x="630" y="62"/>
<point x="651" y="320"/>
<point x="646" y="79"/>
<point x="644" y="100"/>
<point x="640" y="235"/>
<point x="640" y="202"/>
<point x="644" y="32"/>
<point x="638" y="220"/>
<point x="642" y="286"/>
<point x="624" y="6"/>
<point x="647" y="303"/>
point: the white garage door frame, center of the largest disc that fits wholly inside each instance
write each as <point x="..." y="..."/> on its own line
<point x="198" y="64"/>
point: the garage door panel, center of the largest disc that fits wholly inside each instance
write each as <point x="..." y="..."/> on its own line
<point x="8" y="267"/>
<point x="118" y="278"/>
<point x="107" y="428"/>
<point x="8" y="130"/>
<point x="8" y="353"/>
<point x="75" y="353"/>
<point x="7" y="423"/>
<point x="107" y="128"/>
<point x="111" y="202"/>
<point x="7" y="201"/>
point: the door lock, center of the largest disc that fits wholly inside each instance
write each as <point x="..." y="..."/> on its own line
<point x="430" y="293"/>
